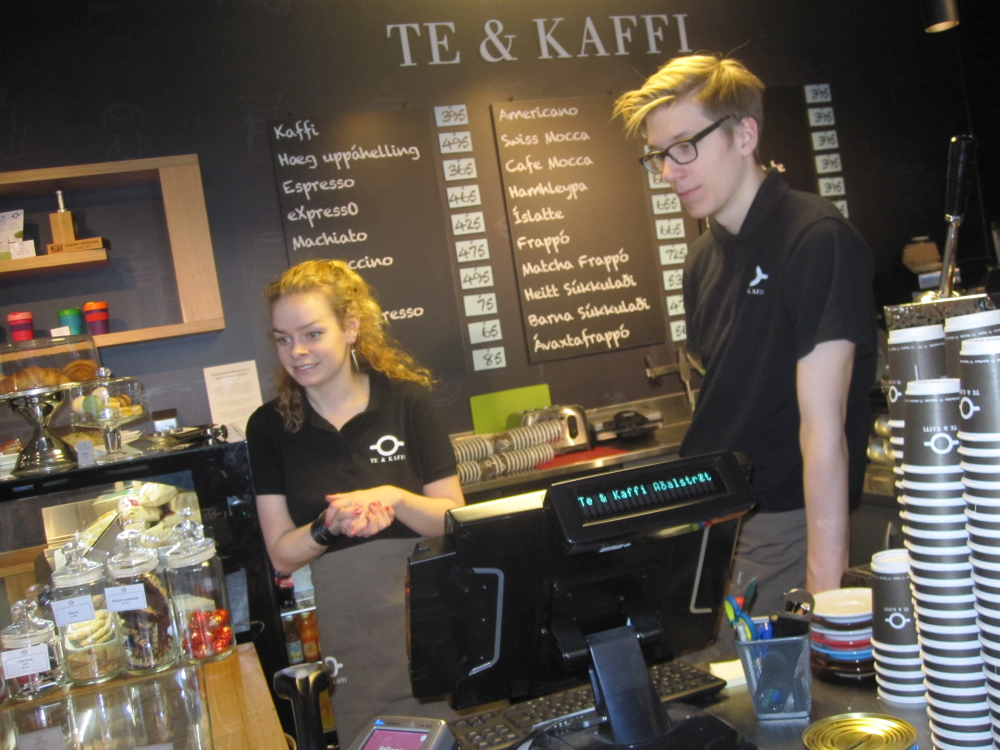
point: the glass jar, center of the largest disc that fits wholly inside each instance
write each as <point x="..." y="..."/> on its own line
<point x="32" y="654"/>
<point x="87" y="629"/>
<point x="141" y="605"/>
<point x="197" y="588"/>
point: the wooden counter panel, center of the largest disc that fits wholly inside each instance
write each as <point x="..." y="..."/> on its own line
<point x="239" y="703"/>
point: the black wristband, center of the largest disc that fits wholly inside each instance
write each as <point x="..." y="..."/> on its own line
<point x="321" y="533"/>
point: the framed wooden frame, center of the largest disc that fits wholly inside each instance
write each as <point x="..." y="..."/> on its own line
<point x="179" y="178"/>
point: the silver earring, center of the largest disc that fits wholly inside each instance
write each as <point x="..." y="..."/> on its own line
<point x="354" y="359"/>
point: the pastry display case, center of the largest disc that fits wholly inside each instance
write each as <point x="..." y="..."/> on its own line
<point x="206" y="483"/>
<point x="34" y="378"/>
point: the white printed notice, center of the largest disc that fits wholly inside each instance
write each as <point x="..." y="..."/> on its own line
<point x="126" y="598"/>
<point x="75" y="609"/>
<point x="19" y="662"/>
<point x="233" y="392"/>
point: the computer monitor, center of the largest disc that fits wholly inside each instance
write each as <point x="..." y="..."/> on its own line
<point x="513" y="600"/>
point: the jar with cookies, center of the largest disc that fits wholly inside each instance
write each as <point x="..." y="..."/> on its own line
<point x="87" y="629"/>
<point x="197" y="586"/>
<point x="137" y="595"/>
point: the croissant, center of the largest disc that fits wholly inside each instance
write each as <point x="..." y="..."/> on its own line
<point x="26" y="379"/>
<point x="4" y="387"/>
<point x="80" y="370"/>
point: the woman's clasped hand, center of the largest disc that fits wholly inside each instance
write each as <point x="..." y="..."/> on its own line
<point x="362" y="513"/>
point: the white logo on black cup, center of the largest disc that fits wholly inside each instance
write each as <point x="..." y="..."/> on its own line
<point x="966" y="404"/>
<point x="941" y="443"/>
<point x="894" y="394"/>
<point x="897" y="620"/>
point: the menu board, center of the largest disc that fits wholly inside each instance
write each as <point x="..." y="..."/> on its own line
<point x="580" y="228"/>
<point x="364" y="188"/>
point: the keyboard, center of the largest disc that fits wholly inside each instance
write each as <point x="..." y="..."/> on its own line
<point x="506" y="726"/>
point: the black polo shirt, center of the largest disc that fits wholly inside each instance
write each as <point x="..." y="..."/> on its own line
<point x="398" y="440"/>
<point x="796" y="275"/>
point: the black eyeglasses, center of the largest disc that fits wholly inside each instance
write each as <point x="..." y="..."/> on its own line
<point x="682" y="152"/>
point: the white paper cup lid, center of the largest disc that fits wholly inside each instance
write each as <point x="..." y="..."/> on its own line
<point x="936" y="387"/>
<point x="972" y="320"/>
<point x="988" y="345"/>
<point x="917" y="333"/>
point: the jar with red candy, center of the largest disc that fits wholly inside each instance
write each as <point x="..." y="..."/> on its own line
<point x="197" y="588"/>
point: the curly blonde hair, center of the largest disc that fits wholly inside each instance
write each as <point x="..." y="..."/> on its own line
<point x="349" y="296"/>
<point x="721" y="85"/>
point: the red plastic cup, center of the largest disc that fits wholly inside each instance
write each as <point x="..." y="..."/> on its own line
<point x="22" y="326"/>
<point x="97" y="317"/>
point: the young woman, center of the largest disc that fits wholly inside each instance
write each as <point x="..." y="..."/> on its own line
<point x="351" y="459"/>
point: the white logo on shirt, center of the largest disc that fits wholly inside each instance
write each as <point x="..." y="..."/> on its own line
<point x="761" y="276"/>
<point x="387" y="447"/>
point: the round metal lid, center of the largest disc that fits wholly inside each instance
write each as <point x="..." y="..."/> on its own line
<point x="860" y="731"/>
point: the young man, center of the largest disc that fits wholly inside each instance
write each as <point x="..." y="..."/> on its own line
<point x="779" y="306"/>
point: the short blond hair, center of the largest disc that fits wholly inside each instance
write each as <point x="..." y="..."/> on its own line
<point x="722" y="86"/>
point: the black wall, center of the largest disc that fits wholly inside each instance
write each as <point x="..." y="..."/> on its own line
<point x="123" y="79"/>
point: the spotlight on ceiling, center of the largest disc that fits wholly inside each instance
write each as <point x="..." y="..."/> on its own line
<point x="940" y="15"/>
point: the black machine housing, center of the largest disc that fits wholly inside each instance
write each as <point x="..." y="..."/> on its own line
<point x="502" y="605"/>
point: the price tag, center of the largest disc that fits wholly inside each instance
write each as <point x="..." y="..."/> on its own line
<point x="669" y="229"/>
<point x="455" y="143"/>
<point x="656" y="181"/>
<point x="818" y="93"/>
<point x="28" y="660"/>
<point x="820" y="117"/>
<point x="77" y="609"/>
<point x="453" y="114"/>
<point x="830" y="186"/>
<point x="488" y="359"/>
<point x="468" y="250"/>
<point x="476" y="277"/>
<point x="678" y="330"/>
<point x="673" y="279"/>
<point x="824" y="140"/>
<point x="842" y="207"/>
<point x="671" y="255"/>
<point x="160" y="746"/>
<point x="85" y="453"/>
<point x="44" y="739"/>
<point x="675" y="304"/>
<point x="468" y="223"/>
<point x="464" y="195"/>
<point x="126" y="598"/>
<point x="485" y="331"/>
<point x="827" y="163"/>
<point x="459" y="169"/>
<point x="666" y="203"/>
<point x="480" y="304"/>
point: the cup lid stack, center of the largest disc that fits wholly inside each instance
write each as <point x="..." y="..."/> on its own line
<point x="898" y="665"/>
<point x="979" y="449"/>
<point x="934" y="530"/>
<point x="841" y="634"/>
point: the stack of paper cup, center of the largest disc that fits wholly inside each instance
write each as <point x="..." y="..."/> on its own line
<point x="964" y="327"/>
<point x="914" y="354"/>
<point x="980" y="450"/>
<point x="940" y="571"/>
<point x="894" y="634"/>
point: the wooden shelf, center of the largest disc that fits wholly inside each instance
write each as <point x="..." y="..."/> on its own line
<point x="44" y="264"/>
<point x="159" y="332"/>
<point x="179" y="178"/>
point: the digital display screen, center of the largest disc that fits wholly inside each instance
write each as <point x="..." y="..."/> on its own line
<point x="395" y="739"/>
<point x="611" y="499"/>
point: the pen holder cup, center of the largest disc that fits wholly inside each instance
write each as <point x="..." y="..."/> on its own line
<point x="778" y="676"/>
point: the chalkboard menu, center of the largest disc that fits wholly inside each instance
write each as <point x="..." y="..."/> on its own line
<point x="580" y="228"/>
<point x="364" y="188"/>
